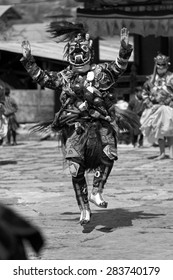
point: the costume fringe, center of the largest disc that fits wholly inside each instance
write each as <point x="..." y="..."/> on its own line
<point x="126" y="119"/>
<point x="65" y="31"/>
<point x="93" y="146"/>
<point x="42" y="127"/>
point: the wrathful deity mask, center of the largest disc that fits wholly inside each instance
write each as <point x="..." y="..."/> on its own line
<point x="79" y="51"/>
<point x="79" y="47"/>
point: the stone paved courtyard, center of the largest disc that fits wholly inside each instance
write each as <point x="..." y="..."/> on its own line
<point x="138" y="223"/>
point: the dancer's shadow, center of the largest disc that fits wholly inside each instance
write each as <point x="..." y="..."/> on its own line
<point x="108" y="220"/>
<point x="5" y="162"/>
<point x="156" y="157"/>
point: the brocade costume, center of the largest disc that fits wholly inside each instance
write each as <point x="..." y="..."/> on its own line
<point x="87" y="119"/>
<point x="157" y="119"/>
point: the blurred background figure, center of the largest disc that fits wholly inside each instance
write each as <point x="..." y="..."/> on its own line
<point x="137" y="106"/>
<point x="3" y="120"/>
<point x="157" y="94"/>
<point x="14" y="232"/>
<point x="122" y="103"/>
<point x="11" y="108"/>
<point x="2" y="98"/>
<point x="124" y="136"/>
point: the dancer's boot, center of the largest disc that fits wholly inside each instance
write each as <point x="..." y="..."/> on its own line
<point x="99" y="181"/>
<point x="96" y="197"/>
<point x="81" y="191"/>
<point x="85" y="214"/>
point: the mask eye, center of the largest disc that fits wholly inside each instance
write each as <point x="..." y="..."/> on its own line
<point x="84" y="48"/>
<point x="71" y="49"/>
<point x="161" y="64"/>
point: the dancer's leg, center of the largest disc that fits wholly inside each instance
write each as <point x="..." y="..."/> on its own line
<point x="81" y="190"/>
<point x="170" y="144"/>
<point x="161" y="143"/>
<point x="134" y="139"/>
<point x="1" y="141"/>
<point x="100" y="178"/>
<point x="14" y="137"/>
<point x="9" y="136"/>
<point x="141" y="139"/>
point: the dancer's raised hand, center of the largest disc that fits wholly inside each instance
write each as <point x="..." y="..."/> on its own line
<point x="26" y="48"/>
<point x="125" y="48"/>
<point x="124" y="36"/>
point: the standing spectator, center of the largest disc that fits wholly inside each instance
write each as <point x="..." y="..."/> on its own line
<point x="137" y="106"/>
<point x="157" y="118"/>
<point x="10" y="112"/>
<point x="2" y="96"/>
<point x="3" y="120"/>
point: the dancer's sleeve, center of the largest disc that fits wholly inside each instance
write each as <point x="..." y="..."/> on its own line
<point x="119" y="65"/>
<point x="2" y="100"/>
<point x="146" y="93"/>
<point x="122" y="60"/>
<point x="48" y="79"/>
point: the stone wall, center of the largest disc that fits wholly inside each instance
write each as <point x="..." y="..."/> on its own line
<point x="34" y="105"/>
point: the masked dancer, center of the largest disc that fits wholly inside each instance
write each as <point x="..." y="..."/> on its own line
<point x="88" y="118"/>
<point x="157" y="118"/>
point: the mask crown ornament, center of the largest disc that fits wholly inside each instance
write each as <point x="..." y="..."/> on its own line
<point x="162" y="61"/>
<point x="79" y="47"/>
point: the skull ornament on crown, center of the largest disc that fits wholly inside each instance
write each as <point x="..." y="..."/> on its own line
<point x="79" y="47"/>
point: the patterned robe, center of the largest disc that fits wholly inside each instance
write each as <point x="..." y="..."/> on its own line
<point x="87" y="118"/>
<point x="157" y="118"/>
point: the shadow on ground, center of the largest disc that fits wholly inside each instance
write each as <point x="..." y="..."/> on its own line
<point x="5" y="162"/>
<point x="156" y="157"/>
<point x="110" y="219"/>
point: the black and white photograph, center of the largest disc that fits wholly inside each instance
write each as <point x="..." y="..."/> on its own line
<point x="86" y="133"/>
